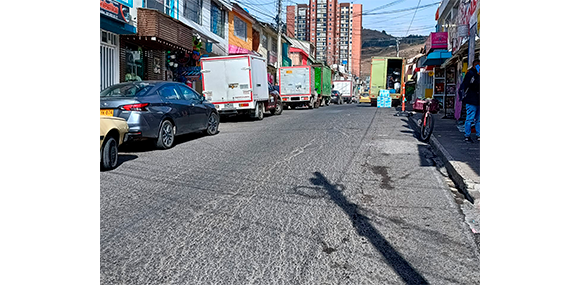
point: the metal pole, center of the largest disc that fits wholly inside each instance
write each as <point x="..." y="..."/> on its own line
<point x="279" y="23"/>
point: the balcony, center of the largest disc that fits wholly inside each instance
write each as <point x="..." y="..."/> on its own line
<point x="159" y="31"/>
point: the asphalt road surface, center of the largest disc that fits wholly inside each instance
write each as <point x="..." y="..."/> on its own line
<point x="343" y="194"/>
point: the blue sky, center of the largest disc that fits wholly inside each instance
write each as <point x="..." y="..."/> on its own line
<point x="395" y="18"/>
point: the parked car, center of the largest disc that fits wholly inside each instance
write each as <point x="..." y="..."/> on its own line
<point x="113" y="134"/>
<point x="364" y="98"/>
<point x="336" y="97"/>
<point x="159" y="110"/>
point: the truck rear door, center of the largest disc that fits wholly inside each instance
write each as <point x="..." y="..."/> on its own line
<point x="378" y="76"/>
<point x="295" y="81"/>
<point x="227" y="80"/>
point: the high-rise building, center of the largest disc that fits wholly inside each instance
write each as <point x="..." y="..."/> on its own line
<point x="334" y="29"/>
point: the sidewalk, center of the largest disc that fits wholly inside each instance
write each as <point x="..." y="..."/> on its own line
<point x="461" y="159"/>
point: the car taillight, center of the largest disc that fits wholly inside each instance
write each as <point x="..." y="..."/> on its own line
<point x="135" y="107"/>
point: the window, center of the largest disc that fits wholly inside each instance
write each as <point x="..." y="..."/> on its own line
<point x="192" y="10"/>
<point x="189" y="94"/>
<point x="163" y="6"/>
<point x="169" y="92"/>
<point x="218" y="20"/>
<point x="240" y="28"/>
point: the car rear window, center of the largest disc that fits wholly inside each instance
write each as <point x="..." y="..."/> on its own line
<point x="127" y="90"/>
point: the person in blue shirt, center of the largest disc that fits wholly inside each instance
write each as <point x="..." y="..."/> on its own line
<point x="470" y="88"/>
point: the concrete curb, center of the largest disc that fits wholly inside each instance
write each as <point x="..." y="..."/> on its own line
<point x="456" y="173"/>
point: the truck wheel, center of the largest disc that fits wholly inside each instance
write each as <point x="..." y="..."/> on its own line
<point x="293" y="107"/>
<point x="278" y="109"/>
<point x="396" y="103"/>
<point x="259" y="111"/>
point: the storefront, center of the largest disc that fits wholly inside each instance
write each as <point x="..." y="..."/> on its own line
<point x="163" y="49"/>
<point x="115" y="20"/>
<point x="431" y="80"/>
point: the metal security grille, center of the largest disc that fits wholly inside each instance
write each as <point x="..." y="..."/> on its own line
<point x="109" y="65"/>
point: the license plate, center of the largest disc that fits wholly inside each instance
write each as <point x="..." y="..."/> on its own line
<point x="229" y="106"/>
<point x="107" y="112"/>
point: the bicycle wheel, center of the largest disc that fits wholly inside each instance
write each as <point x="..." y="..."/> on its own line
<point x="426" y="127"/>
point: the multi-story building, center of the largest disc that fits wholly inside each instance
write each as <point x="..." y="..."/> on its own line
<point x="334" y="29"/>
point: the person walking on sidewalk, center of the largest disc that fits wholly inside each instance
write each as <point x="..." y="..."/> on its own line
<point x="470" y="88"/>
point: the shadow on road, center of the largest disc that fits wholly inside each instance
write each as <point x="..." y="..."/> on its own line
<point x="365" y="228"/>
<point x="149" y="145"/>
<point x="122" y="158"/>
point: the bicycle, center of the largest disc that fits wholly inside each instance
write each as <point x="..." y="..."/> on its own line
<point x="426" y="122"/>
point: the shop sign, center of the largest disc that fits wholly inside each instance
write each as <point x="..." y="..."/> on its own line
<point x="272" y="57"/>
<point x="232" y="49"/>
<point x="115" y="10"/>
<point x="462" y="31"/>
<point x="436" y="41"/>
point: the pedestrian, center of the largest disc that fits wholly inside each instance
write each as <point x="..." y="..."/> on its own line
<point x="470" y="88"/>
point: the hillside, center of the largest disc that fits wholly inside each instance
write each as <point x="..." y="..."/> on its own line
<point x="376" y="43"/>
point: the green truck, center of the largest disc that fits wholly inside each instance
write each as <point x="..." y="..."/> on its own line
<point x="387" y="73"/>
<point x="323" y="83"/>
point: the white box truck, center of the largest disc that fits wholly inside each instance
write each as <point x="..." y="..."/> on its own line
<point x="297" y="86"/>
<point x="345" y="89"/>
<point x="238" y="84"/>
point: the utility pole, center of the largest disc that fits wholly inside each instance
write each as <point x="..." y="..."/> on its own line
<point x="398" y="40"/>
<point x="279" y="24"/>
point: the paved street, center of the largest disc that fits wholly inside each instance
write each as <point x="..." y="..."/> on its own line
<point x="338" y="195"/>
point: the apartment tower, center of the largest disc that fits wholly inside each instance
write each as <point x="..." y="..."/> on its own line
<point x="334" y="29"/>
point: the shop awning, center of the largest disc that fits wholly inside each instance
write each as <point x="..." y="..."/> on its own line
<point x="461" y="52"/>
<point x="437" y="57"/>
<point x="117" y="27"/>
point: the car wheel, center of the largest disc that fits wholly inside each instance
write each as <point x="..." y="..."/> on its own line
<point x="213" y="124"/>
<point x="110" y="153"/>
<point x="166" y="136"/>
<point x="278" y="109"/>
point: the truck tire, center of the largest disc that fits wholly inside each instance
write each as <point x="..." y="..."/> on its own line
<point x="277" y="110"/>
<point x="259" y="111"/>
<point x="396" y="103"/>
<point x="311" y="103"/>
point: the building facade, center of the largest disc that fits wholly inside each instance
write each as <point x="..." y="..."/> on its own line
<point x="117" y="18"/>
<point x="334" y="29"/>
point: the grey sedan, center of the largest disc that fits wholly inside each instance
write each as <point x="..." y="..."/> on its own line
<point x="159" y="110"/>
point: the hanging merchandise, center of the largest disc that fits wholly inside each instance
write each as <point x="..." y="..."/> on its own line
<point x="171" y="60"/>
<point x="197" y="43"/>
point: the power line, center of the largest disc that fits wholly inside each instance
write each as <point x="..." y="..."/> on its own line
<point x="384" y="6"/>
<point x="413" y="16"/>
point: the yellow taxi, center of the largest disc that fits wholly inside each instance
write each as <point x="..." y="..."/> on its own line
<point x="364" y="98"/>
<point x="113" y="133"/>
